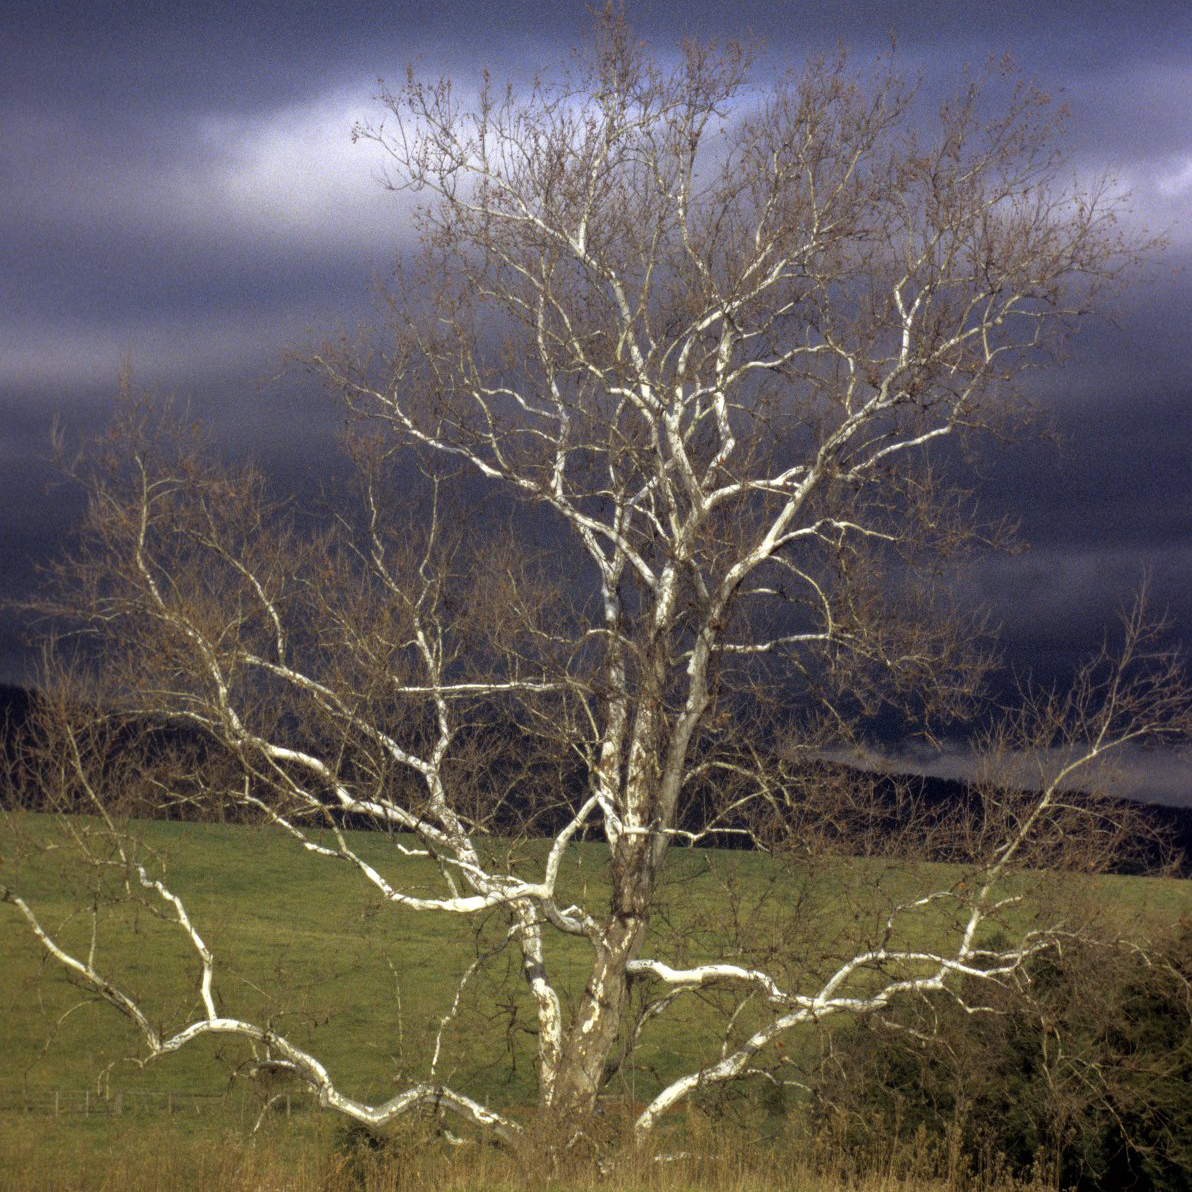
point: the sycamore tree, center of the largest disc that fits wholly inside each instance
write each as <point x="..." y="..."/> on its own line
<point x="648" y="522"/>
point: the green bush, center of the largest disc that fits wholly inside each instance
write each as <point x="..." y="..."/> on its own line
<point x="1082" y="1074"/>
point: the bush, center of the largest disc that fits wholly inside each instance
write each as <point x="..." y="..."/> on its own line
<point x="1082" y="1075"/>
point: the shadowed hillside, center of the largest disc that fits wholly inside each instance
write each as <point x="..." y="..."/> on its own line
<point x="1163" y="839"/>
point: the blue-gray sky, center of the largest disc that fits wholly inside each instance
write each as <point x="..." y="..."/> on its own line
<point x="179" y="189"/>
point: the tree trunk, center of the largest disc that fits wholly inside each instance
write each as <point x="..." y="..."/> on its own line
<point x="594" y="1034"/>
<point x="597" y="1025"/>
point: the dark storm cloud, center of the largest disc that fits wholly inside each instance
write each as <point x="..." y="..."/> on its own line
<point x="1114" y="478"/>
<point x="179" y="187"/>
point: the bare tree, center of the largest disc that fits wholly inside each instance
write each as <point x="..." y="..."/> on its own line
<point x="705" y="339"/>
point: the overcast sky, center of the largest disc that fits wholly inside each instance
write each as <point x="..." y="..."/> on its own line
<point x="180" y="190"/>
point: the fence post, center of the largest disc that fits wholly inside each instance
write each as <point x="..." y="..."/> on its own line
<point x="87" y="1103"/>
<point x="170" y="1102"/>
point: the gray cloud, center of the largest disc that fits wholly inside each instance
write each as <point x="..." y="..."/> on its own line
<point x="180" y="187"/>
<point x="1132" y="772"/>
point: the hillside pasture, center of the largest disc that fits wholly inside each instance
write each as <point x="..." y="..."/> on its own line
<point x="302" y="943"/>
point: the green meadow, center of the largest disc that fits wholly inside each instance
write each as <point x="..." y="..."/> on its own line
<point x="304" y="943"/>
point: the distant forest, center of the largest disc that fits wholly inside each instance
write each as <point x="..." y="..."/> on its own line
<point x="1165" y="840"/>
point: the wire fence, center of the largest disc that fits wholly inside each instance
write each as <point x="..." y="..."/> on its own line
<point x="119" y="1102"/>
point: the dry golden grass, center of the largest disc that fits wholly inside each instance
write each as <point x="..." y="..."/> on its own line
<point x="161" y="1157"/>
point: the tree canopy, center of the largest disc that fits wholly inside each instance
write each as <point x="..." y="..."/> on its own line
<point x="704" y="337"/>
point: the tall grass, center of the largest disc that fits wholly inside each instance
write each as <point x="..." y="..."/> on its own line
<point x="159" y="1159"/>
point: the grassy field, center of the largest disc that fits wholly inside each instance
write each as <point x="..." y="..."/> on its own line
<point x="303" y="943"/>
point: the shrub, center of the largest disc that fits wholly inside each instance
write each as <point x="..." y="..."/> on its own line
<point x="1082" y="1074"/>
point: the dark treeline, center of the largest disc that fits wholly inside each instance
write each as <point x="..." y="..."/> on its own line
<point x="521" y="789"/>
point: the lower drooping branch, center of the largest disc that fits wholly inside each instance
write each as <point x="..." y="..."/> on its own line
<point x="794" y="1010"/>
<point x="806" y="1009"/>
<point x="284" y="1056"/>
